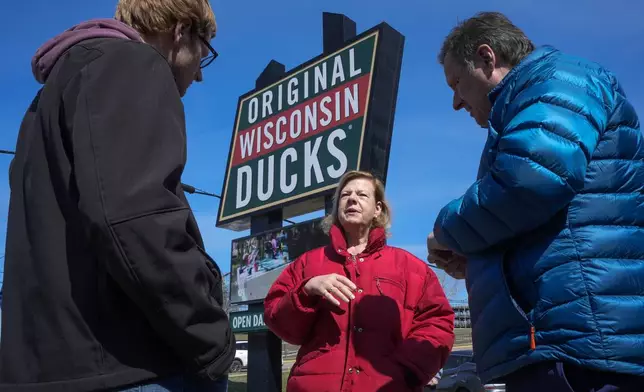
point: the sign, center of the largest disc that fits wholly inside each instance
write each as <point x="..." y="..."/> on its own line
<point x="294" y="139"/>
<point x="300" y="135"/>
<point x="257" y="260"/>
<point x="247" y="322"/>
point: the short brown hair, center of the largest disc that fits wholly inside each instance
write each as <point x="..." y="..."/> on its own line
<point x="159" y="16"/>
<point x="384" y="220"/>
<point x="508" y="42"/>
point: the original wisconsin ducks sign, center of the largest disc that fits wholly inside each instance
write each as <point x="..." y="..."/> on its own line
<point x="294" y="139"/>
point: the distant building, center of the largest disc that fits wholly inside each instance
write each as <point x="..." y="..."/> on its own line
<point x="461" y="314"/>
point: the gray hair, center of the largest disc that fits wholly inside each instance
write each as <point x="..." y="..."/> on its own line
<point x="509" y="43"/>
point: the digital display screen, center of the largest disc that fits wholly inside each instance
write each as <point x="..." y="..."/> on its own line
<point x="257" y="261"/>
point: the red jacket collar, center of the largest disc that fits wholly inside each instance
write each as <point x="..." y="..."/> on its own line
<point x="377" y="240"/>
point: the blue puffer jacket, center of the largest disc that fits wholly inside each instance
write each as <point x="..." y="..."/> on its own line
<point x="554" y="225"/>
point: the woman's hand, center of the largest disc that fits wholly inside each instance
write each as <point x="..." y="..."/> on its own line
<point x="331" y="286"/>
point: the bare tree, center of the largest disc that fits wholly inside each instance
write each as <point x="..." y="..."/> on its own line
<point x="449" y="285"/>
<point x="225" y="283"/>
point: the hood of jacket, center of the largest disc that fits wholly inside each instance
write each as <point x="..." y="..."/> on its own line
<point x="47" y="55"/>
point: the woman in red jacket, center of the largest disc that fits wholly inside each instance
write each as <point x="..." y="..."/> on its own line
<point x="368" y="317"/>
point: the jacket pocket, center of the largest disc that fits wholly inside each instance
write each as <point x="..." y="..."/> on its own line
<point x="316" y="361"/>
<point x="506" y="285"/>
<point x="389" y="286"/>
<point x="213" y="274"/>
<point x="311" y="355"/>
<point x="500" y="328"/>
<point x="386" y="287"/>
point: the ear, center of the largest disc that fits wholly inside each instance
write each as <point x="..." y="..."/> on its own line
<point x="486" y="56"/>
<point x="180" y="31"/>
<point x="378" y="209"/>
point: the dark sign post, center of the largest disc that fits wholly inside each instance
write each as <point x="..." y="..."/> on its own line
<point x="337" y="29"/>
<point x="264" y="347"/>
<point x="294" y="137"/>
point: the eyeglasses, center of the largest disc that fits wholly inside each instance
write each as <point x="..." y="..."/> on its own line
<point x="206" y="61"/>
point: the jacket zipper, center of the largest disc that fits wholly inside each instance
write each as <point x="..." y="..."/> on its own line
<point x="378" y="285"/>
<point x="533" y="331"/>
<point x="355" y="264"/>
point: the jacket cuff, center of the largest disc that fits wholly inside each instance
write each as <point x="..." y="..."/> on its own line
<point x="302" y="301"/>
<point x="441" y="230"/>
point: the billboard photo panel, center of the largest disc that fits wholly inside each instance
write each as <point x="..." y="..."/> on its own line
<point x="256" y="261"/>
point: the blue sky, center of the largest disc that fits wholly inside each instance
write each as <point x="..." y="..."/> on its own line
<point x="435" y="150"/>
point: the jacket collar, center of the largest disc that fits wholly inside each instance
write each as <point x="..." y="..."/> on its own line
<point x="377" y="240"/>
<point x="514" y="73"/>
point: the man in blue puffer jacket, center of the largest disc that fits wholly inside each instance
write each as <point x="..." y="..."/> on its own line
<point x="550" y="237"/>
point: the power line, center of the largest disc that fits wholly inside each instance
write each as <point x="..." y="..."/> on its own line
<point x="191" y="189"/>
<point x="186" y="188"/>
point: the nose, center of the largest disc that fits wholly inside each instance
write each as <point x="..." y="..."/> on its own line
<point x="352" y="198"/>
<point x="457" y="102"/>
<point x="198" y="76"/>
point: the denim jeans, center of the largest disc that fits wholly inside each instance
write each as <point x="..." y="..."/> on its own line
<point x="182" y="384"/>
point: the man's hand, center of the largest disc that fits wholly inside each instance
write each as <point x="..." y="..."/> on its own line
<point x="331" y="286"/>
<point x="452" y="263"/>
<point x="432" y="243"/>
<point x="456" y="267"/>
<point x="433" y="382"/>
<point x="438" y="254"/>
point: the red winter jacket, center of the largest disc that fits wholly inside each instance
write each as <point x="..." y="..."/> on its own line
<point x="394" y="336"/>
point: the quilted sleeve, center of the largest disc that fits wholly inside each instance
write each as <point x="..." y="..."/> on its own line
<point x="552" y="129"/>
